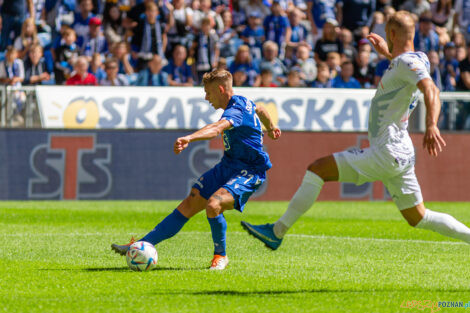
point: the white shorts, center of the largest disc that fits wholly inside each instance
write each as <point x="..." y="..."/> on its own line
<point x="359" y="166"/>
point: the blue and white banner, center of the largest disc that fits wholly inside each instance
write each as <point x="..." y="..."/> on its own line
<point x="298" y="109"/>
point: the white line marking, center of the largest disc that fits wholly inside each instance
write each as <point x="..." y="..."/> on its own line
<point x="324" y="237"/>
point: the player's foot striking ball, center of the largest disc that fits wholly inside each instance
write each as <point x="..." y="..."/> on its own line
<point x="391" y="156"/>
<point x="234" y="179"/>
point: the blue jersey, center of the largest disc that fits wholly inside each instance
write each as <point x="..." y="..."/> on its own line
<point x="243" y="142"/>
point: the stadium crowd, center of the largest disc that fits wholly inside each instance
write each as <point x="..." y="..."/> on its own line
<point x="263" y="43"/>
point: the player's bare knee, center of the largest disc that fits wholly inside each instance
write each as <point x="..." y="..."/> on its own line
<point x="317" y="167"/>
<point x="213" y="207"/>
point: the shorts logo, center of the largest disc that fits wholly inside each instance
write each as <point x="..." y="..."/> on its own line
<point x="71" y="166"/>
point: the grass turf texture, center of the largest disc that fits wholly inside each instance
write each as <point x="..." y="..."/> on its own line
<point x="340" y="257"/>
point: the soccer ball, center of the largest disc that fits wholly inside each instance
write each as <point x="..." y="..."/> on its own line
<point x="142" y="256"/>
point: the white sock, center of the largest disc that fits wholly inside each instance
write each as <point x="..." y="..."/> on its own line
<point x="444" y="224"/>
<point x="303" y="199"/>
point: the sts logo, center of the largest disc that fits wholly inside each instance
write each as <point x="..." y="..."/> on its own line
<point x="70" y="166"/>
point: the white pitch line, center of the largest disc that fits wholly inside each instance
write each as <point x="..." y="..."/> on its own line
<point x="325" y="237"/>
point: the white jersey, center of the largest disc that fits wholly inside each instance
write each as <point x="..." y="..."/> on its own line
<point x="395" y="100"/>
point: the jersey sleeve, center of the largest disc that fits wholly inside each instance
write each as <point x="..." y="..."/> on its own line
<point x="414" y="68"/>
<point x="234" y="115"/>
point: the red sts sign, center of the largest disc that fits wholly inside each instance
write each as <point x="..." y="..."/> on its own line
<point x="71" y="166"/>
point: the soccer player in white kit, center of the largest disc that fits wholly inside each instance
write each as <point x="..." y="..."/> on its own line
<point x="391" y="155"/>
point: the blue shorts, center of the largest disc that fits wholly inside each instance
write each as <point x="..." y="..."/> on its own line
<point x="240" y="183"/>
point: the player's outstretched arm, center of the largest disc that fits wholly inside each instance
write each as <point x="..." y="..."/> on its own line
<point x="380" y="45"/>
<point x="207" y="132"/>
<point x="432" y="141"/>
<point x="273" y="131"/>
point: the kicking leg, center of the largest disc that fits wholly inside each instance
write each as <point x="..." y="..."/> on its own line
<point x="220" y="201"/>
<point x="173" y="223"/>
<point x="324" y="169"/>
<point x="442" y="223"/>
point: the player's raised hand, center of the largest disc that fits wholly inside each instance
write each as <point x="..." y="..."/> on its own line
<point x="432" y="141"/>
<point x="379" y="44"/>
<point x="274" y="133"/>
<point x="180" y="144"/>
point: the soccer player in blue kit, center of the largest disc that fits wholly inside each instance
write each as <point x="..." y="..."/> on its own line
<point x="234" y="179"/>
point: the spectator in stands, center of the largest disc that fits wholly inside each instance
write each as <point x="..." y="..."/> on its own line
<point x="306" y="64"/>
<point x="65" y="56"/>
<point x="346" y="38"/>
<point x="113" y="24"/>
<point x="293" y="79"/>
<point x="12" y="68"/>
<point x="364" y="71"/>
<point x="253" y="35"/>
<point x="354" y="14"/>
<point x="96" y="67"/>
<point x="462" y="17"/>
<point x="318" y="12"/>
<point x="298" y="31"/>
<point x="180" y="31"/>
<point x="270" y="60"/>
<point x="258" y="6"/>
<point x="464" y="67"/>
<point x="113" y="78"/>
<point x="323" y="76"/>
<point x="94" y="41"/>
<point x="222" y="64"/>
<point x="203" y="12"/>
<point x="80" y="76"/>
<point x="334" y="63"/>
<point x="35" y="68"/>
<point x="179" y="72"/>
<point x="240" y="78"/>
<point x="153" y="75"/>
<point x="149" y="36"/>
<point x="449" y="67"/>
<point x="277" y="27"/>
<point x="82" y="19"/>
<point x="461" y="53"/>
<point x="13" y="15"/>
<point x="433" y="57"/>
<point x="426" y="38"/>
<point x="442" y="11"/>
<point x="416" y="7"/>
<point x="266" y="78"/>
<point x="345" y="79"/>
<point x="27" y="38"/>
<point x="121" y="53"/>
<point x="228" y="36"/>
<point x="244" y="63"/>
<point x="205" y="49"/>
<point x="459" y="40"/>
<point x="378" y="24"/>
<point x="329" y="41"/>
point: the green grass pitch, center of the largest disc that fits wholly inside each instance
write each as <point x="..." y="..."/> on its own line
<point x="340" y="257"/>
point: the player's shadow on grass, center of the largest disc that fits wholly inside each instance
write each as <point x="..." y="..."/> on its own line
<point x="302" y="291"/>
<point x="125" y="268"/>
<point x="122" y="269"/>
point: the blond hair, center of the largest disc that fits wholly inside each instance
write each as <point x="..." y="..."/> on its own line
<point x="403" y="23"/>
<point x="34" y="36"/>
<point x="220" y="77"/>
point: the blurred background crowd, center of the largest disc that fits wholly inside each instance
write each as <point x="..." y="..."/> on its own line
<point x="263" y="43"/>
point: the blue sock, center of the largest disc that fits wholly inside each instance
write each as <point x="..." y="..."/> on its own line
<point x="219" y="231"/>
<point x="167" y="228"/>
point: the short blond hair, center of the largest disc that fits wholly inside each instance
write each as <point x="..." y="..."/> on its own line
<point x="220" y="77"/>
<point x="403" y="22"/>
